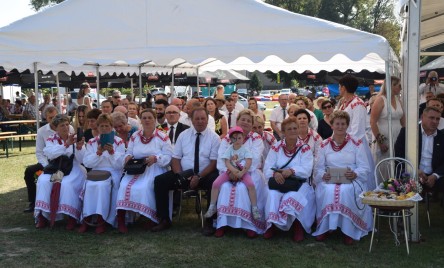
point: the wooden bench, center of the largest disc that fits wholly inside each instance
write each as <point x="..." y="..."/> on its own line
<point x="12" y="137"/>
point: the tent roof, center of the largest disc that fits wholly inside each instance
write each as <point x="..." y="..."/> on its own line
<point x="239" y="34"/>
<point x="435" y="64"/>
<point x="432" y="20"/>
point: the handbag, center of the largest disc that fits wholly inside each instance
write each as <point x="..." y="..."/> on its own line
<point x="291" y="184"/>
<point x="62" y="163"/>
<point x="98" y="175"/>
<point x="135" y="166"/>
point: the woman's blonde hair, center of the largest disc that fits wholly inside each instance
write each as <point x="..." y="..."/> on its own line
<point x="246" y="112"/>
<point x="395" y="81"/>
<point x="104" y="118"/>
<point x="340" y="115"/>
<point x="259" y="120"/>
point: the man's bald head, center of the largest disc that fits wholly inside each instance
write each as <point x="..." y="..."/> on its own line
<point x="172" y="114"/>
<point x="121" y="109"/>
<point x="177" y="102"/>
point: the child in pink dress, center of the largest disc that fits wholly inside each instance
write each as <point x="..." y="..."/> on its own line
<point x="238" y="161"/>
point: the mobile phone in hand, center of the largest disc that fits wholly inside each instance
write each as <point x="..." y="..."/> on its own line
<point x="79" y="134"/>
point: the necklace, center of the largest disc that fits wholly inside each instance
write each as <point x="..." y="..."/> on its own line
<point x="289" y="152"/>
<point x="337" y="148"/>
<point x="304" y="140"/>
<point x="144" y="139"/>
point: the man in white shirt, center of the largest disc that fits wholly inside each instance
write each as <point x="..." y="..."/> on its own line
<point x="278" y="115"/>
<point x="190" y="106"/>
<point x="43" y="134"/>
<point x="235" y="96"/>
<point x="193" y="166"/>
<point x="435" y="102"/>
<point x="431" y="85"/>
<point x="230" y="112"/>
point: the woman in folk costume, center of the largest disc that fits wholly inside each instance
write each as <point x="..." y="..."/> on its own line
<point x="306" y="135"/>
<point x="267" y="137"/>
<point x="357" y="111"/>
<point x="100" y="197"/>
<point x="69" y="203"/>
<point x="233" y="205"/>
<point x="295" y="209"/>
<point x="339" y="205"/>
<point x="136" y="192"/>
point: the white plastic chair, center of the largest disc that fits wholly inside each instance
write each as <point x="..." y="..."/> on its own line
<point x="393" y="167"/>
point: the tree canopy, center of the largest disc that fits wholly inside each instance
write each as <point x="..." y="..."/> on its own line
<point x="39" y="4"/>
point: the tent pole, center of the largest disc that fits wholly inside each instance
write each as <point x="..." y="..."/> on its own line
<point x="410" y="72"/>
<point x="172" y="91"/>
<point x="140" y="84"/>
<point x="98" y="86"/>
<point x="59" y="101"/>
<point x="36" y="90"/>
<point x="388" y="89"/>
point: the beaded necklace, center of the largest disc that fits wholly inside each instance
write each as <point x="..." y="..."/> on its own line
<point x="337" y="148"/>
<point x="287" y="152"/>
<point x="144" y="139"/>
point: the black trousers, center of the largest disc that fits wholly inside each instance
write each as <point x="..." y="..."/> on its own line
<point x="30" y="180"/>
<point x="169" y="181"/>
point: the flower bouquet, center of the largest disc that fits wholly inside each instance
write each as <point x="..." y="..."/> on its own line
<point x="402" y="191"/>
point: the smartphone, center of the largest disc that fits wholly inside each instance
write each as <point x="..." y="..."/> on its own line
<point x="79" y="134"/>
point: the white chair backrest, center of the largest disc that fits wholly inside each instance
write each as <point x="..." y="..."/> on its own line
<point x="393" y="167"/>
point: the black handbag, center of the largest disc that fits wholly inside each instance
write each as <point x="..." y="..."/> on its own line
<point x="63" y="163"/>
<point x="292" y="183"/>
<point x="135" y="166"/>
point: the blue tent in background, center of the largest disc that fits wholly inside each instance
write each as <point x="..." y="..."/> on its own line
<point x="334" y="90"/>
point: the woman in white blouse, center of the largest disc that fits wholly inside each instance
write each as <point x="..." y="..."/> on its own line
<point x="99" y="197"/>
<point x="339" y="205"/>
<point x="136" y="192"/>
<point x="295" y="209"/>
<point x="61" y="143"/>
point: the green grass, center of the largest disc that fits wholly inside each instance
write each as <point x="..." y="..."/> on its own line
<point x="21" y="245"/>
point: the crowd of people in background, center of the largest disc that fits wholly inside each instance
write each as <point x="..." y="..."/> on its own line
<point x="219" y="146"/>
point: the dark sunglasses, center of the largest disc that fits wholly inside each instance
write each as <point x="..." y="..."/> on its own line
<point x="327" y="107"/>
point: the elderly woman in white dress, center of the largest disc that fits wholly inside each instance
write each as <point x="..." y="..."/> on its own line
<point x="295" y="209"/>
<point x="136" y="192"/>
<point x="267" y="137"/>
<point x="99" y="197"/>
<point x="307" y="135"/>
<point x="61" y="143"/>
<point x="339" y="205"/>
<point x="233" y="205"/>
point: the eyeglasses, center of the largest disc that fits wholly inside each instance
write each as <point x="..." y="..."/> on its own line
<point x="170" y="113"/>
<point x="327" y="107"/>
<point x="116" y="97"/>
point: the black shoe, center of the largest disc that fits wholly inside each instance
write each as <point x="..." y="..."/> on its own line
<point x="30" y="208"/>
<point x="208" y="230"/>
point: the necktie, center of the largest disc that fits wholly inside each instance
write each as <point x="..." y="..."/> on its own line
<point x="229" y="120"/>
<point x="171" y="135"/>
<point x="196" y="154"/>
<point x="283" y="111"/>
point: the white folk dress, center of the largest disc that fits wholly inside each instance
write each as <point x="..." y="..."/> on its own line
<point x="282" y="209"/>
<point x="339" y="205"/>
<point x="384" y="130"/>
<point x="269" y="140"/>
<point x="136" y="192"/>
<point x="233" y="204"/>
<point x="100" y="197"/>
<point x="357" y="128"/>
<point x="71" y="185"/>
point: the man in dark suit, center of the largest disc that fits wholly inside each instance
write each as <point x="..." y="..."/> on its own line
<point x="431" y="149"/>
<point x="172" y="114"/>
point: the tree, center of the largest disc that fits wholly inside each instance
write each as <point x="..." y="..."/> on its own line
<point x="39" y="4"/>
<point x="255" y="83"/>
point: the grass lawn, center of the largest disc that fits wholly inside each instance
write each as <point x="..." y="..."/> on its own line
<point x="21" y="245"/>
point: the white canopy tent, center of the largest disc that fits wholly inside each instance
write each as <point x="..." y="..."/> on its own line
<point x="165" y="32"/>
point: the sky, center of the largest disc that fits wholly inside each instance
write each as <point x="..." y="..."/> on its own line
<point x="13" y="10"/>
